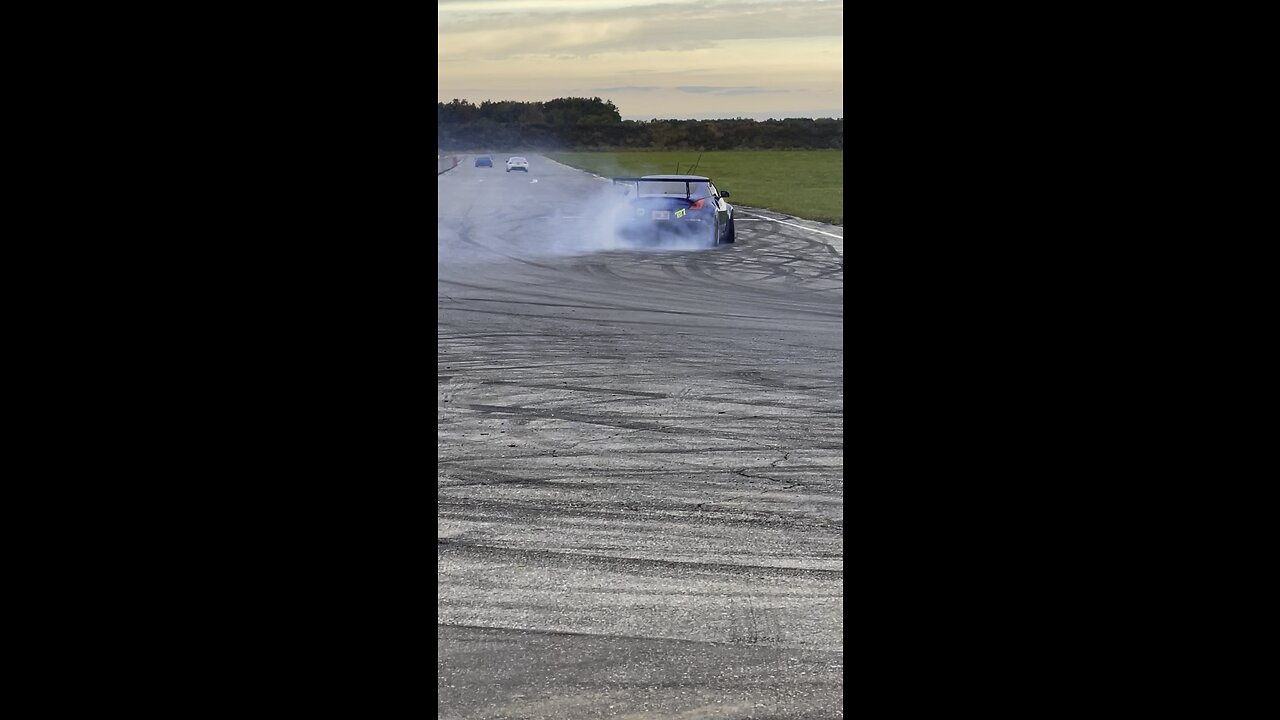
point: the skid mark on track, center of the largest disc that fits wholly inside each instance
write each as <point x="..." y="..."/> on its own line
<point x="752" y="623"/>
<point x="462" y="545"/>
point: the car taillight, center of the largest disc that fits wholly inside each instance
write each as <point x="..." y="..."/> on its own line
<point x="697" y="205"/>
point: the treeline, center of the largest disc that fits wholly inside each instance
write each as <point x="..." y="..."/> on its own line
<point x="595" y="124"/>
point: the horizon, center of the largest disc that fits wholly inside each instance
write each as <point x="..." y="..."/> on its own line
<point x="653" y="59"/>
<point x="713" y="116"/>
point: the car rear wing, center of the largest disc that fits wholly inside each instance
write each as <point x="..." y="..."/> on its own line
<point x="688" y="189"/>
<point x="655" y="178"/>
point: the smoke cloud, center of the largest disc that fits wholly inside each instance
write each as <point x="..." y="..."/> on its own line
<point x="487" y="215"/>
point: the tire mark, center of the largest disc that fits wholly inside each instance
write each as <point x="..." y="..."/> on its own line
<point x="463" y="546"/>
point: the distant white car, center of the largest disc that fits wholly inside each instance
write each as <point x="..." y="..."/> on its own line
<point x="517" y="163"/>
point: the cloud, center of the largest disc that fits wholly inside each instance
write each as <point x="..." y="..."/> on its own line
<point x="752" y="91"/>
<point x="656" y="58"/>
<point x="631" y="28"/>
<point x="728" y="90"/>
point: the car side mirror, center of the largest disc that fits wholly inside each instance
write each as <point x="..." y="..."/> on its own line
<point x="724" y="193"/>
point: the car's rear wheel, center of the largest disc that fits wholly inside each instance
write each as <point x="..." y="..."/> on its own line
<point x="726" y="237"/>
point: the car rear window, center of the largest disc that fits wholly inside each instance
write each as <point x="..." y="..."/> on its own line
<point x="671" y="187"/>
<point x="663" y="188"/>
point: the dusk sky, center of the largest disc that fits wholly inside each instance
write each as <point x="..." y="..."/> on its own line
<point x="653" y="58"/>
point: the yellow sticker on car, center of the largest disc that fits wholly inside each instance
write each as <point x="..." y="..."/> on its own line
<point x="680" y="213"/>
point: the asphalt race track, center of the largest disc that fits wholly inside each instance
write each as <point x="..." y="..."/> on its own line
<point x="641" y="461"/>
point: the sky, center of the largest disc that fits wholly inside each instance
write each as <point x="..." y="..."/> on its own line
<point x="700" y="59"/>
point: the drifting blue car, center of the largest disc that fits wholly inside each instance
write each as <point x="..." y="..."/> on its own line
<point x="683" y="206"/>
<point x="484" y="161"/>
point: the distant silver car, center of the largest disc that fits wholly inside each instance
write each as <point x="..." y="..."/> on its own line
<point x="517" y="163"/>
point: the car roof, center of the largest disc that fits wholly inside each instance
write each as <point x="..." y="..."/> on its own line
<point x="673" y="177"/>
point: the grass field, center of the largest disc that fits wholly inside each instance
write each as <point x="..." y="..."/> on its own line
<point x="804" y="183"/>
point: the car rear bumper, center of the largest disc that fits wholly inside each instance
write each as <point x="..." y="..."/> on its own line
<point x="679" y="227"/>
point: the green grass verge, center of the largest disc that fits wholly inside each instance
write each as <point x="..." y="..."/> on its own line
<point x="804" y="183"/>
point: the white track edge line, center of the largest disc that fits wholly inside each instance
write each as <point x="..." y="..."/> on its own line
<point x="784" y="222"/>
